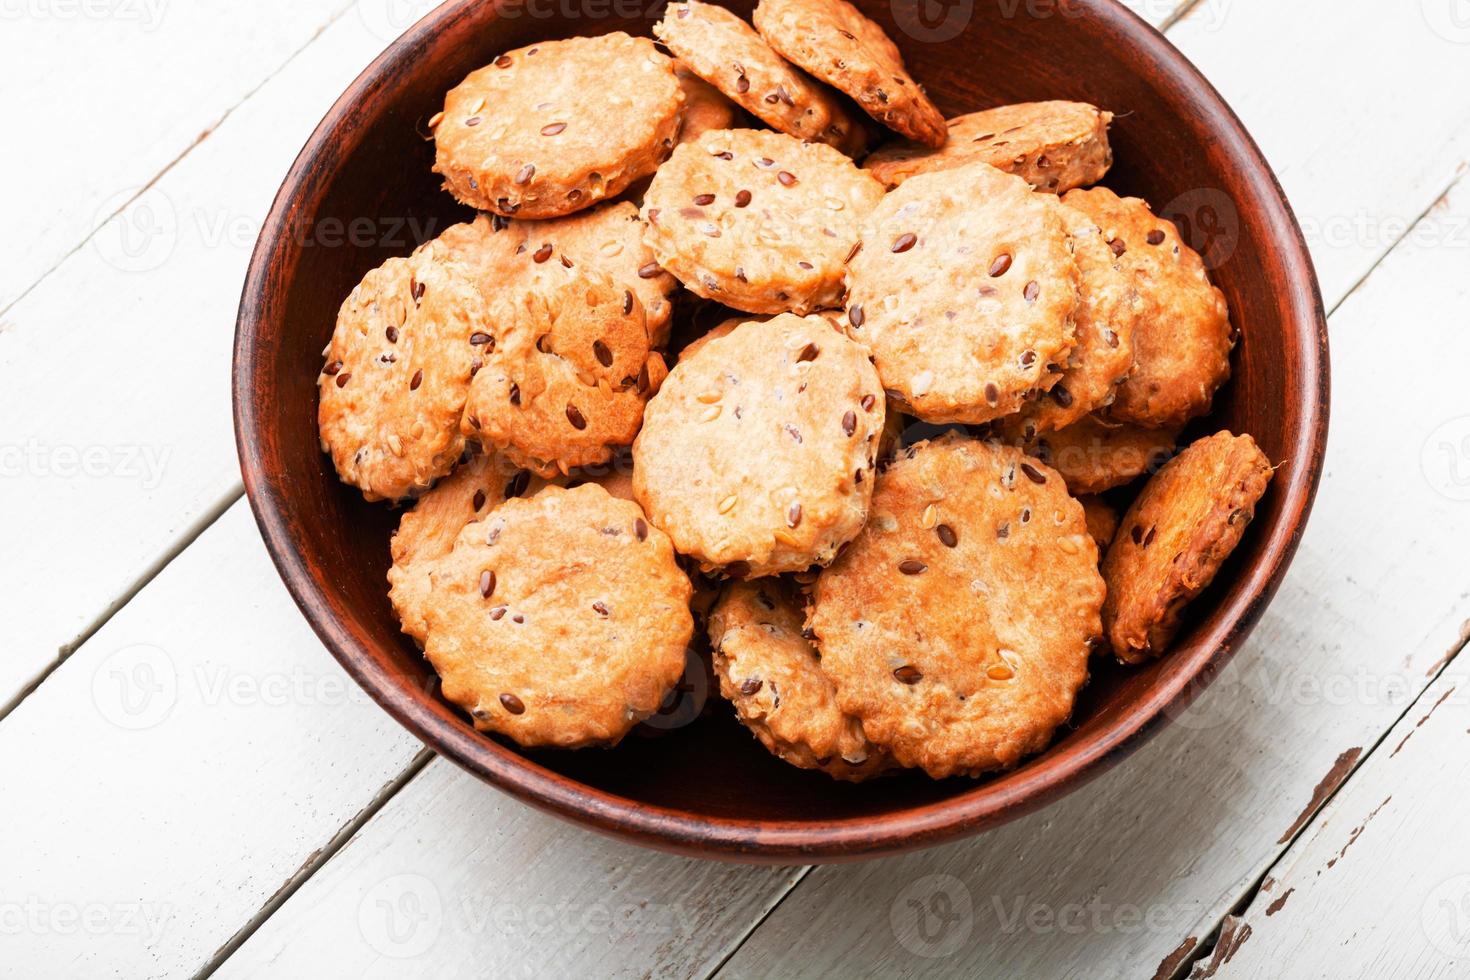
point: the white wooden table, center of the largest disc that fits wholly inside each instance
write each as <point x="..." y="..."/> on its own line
<point x="190" y="785"/>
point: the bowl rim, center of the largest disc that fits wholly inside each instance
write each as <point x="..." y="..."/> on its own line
<point x="788" y="841"/>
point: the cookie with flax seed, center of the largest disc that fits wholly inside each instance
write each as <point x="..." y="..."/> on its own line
<point x="833" y="41"/>
<point x="560" y="619"/>
<point x="1096" y="454"/>
<point x="427" y="531"/>
<point x="966" y="292"/>
<point x="552" y="128"/>
<point x="773" y="676"/>
<point x="1053" y="146"/>
<point x="569" y="369"/>
<point x="958" y="626"/>
<point x="727" y="53"/>
<point x="398" y="367"/>
<point x="607" y="238"/>
<point x="705" y="107"/>
<point x="755" y="456"/>
<point x="1184" y="338"/>
<point x="758" y="221"/>
<point x="1175" y="537"/>
<point x="1109" y="310"/>
<point x="1102" y="520"/>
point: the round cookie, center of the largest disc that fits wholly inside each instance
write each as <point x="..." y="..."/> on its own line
<point x="773" y="676"/>
<point x="705" y="107"/>
<point x="559" y="620"/>
<point x="727" y="52"/>
<point x="965" y="290"/>
<point x="1108" y="313"/>
<point x="1102" y="520"/>
<point x="428" y="530"/>
<point x="398" y="366"/>
<point x="1053" y="146"/>
<point x="1096" y="454"/>
<point x="840" y="46"/>
<point x="958" y="626"/>
<point x="1176" y="536"/>
<point x="754" y="456"/>
<point x="1184" y="338"/>
<point x="567" y="375"/>
<point x="759" y="221"/>
<point x="549" y="129"/>
<point x="609" y="239"/>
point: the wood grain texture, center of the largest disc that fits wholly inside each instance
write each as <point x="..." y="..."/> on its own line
<point x="1381" y="885"/>
<point x="1113" y="880"/>
<point x="1381" y="129"/>
<point x="452" y="880"/>
<point x="178" y="770"/>
<point x="130" y="86"/>
<point x="366" y="159"/>
<point x="116" y="376"/>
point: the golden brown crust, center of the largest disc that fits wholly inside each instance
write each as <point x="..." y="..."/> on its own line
<point x="1096" y="454"/>
<point x="1175" y="537"/>
<point x="1183" y="341"/>
<point x="773" y="676"/>
<point x="1053" y="146"/>
<point x="957" y="626"/>
<point x="551" y="128"/>
<point x="398" y="367"/>
<point x="1102" y="520"/>
<point x="705" y="107"/>
<point x="965" y="290"/>
<point x="569" y="369"/>
<point x="727" y="52"/>
<point x="1108" y="313"/>
<point x="560" y="620"/>
<point x="750" y="455"/>
<point x="427" y="531"/>
<point x="758" y="220"/>
<point x="836" y="43"/>
<point x="607" y="238"/>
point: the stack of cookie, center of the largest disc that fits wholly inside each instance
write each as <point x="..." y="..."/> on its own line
<point x="873" y="602"/>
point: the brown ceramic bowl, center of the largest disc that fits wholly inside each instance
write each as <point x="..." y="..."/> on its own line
<point x="362" y="191"/>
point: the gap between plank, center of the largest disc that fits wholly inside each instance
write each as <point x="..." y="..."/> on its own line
<point x="315" y="861"/>
<point x="739" y="940"/>
<point x="1207" y="948"/>
<point x="186" y="538"/>
<point x="1242" y="905"/>
<point x="152" y="181"/>
<point x="319" y="858"/>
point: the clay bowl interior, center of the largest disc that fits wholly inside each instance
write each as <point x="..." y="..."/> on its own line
<point x="708" y="788"/>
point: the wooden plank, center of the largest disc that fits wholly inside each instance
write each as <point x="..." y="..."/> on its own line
<point x="178" y="769"/>
<point x="122" y="376"/>
<point x="1142" y="864"/>
<point x="157" y="287"/>
<point x="1320" y="85"/>
<point x="105" y="94"/>
<point x="452" y="879"/>
<point x="1380" y="886"/>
